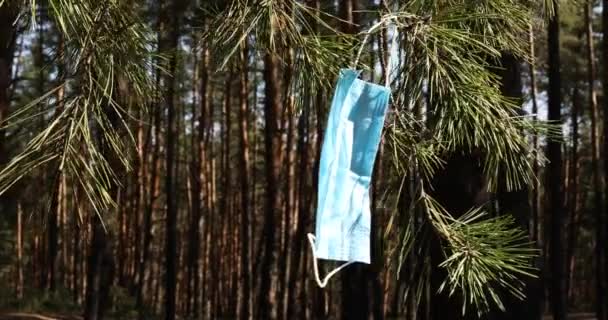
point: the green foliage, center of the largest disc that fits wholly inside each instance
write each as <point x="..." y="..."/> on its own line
<point x="287" y="29"/>
<point x="451" y="61"/>
<point x="484" y="256"/>
<point x="106" y="47"/>
<point x="448" y="100"/>
<point x="123" y="304"/>
<point x="36" y="300"/>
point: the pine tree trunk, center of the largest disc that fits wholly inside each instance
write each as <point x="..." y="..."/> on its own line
<point x="305" y="197"/>
<point x="203" y="177"/>
<point x="595" y="150"/>
<point x="100" y="272"/>
<point x="100" y="266"/>
<point x="602" y="232"/>
<point x="8" y="12"/>
<point x="535" y="234"/>
<point x="377" y="188"/>
<point x="49" y="276"/>
<point x="244" y="311"/>
<point x="7" y="45"/>
<point x="53" y="233"/>
<point x="318" y="293"/>
<point x="19" y="242"/>
<point x="225" y="212"/>
<point x="573" y="190"/>
<point x="272" y="158"/>
<point x="140" y="174"/>
<point x="195" y="204"/>
<point x="170" y="176"/>
<point x="557" y="292"/>
<point x="179" y="257"/>
<point x="152" y="195"/>
<point x="61" y="184"/>
<point x="76" y="270"/>
<point x="284" y="264"/>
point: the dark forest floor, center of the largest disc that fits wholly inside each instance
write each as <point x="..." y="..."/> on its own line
<point x="37" y="316"/>
<point x="34" y="316"/>
<point x="573" y="316"/>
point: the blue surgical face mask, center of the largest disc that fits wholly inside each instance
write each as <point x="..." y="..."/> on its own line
<point x="351" y="141"/>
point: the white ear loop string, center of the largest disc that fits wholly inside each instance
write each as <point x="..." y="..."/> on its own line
<point x="384" y="20"/>
<point x="322" y="283"/>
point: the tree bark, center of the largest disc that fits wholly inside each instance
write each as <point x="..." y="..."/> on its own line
<point x="19" y="241"/>
<point x="203" y="176"/>
<point x="573" y="190"/>
<point x="304" y="211"/>
<point x="554" y="175"/>
<point x="602" y="232"/>
<point x="100" y="272"/>
<point x="8" y="35"/>
<point x="244" y="177"/>
<point x="195" y="204"/>
<point x="170" y="177"/>
<point x="152" y="195"/>
<point x="8" y="13"/>
<point x="595" y="149"/>
<point x="535" y="218"/>
<point x="272" y="157"/>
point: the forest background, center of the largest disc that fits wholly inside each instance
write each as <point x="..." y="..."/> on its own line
<point x="158" y="159"/>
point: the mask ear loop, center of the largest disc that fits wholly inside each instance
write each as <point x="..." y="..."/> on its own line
<point x="322" y="283"/>
<point x="384" y="21"/>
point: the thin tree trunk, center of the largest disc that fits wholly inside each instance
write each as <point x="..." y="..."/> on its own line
<point x="225" y="213"/>
<point x="602" y="229"/>
<point x="179" y="257"/>
<point x="203" y="173"/>
<point x="244" y="177"/>
<point x="554" y="175"/>
<point x="76" y="270"/>
<point x="49" y="276"/>
<point x="284" y="264"/>
<point x="272" y="157"/>
<point x="8" y="13"/>
<point x="535" y="234"/>
<point x="170" y="177"/>
<point x="100" y="272"/>
<point x="304" y="211"/>
<point x="318" y="293"/>
<point x="7" y="45"/>
<point x="153" y="194"/>
<point x="595" y="148"/>
<point x="573" y="187"/>
<point x="209" y="269"/>
<point x="375" y="269"/>
<point x="19" y="241"/>
<point x="61" y="184"/>
<point x="195" y="204"/>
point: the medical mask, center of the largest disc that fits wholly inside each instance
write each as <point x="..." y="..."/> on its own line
<point x="350" y="145"/>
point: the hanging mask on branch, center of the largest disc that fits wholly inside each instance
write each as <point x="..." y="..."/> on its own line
<point x="350" y="145"/>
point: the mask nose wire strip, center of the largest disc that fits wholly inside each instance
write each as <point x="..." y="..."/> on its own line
<point x="323" y="283"/>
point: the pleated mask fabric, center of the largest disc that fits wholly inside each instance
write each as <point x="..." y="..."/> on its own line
<point x="350" y="145"/>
